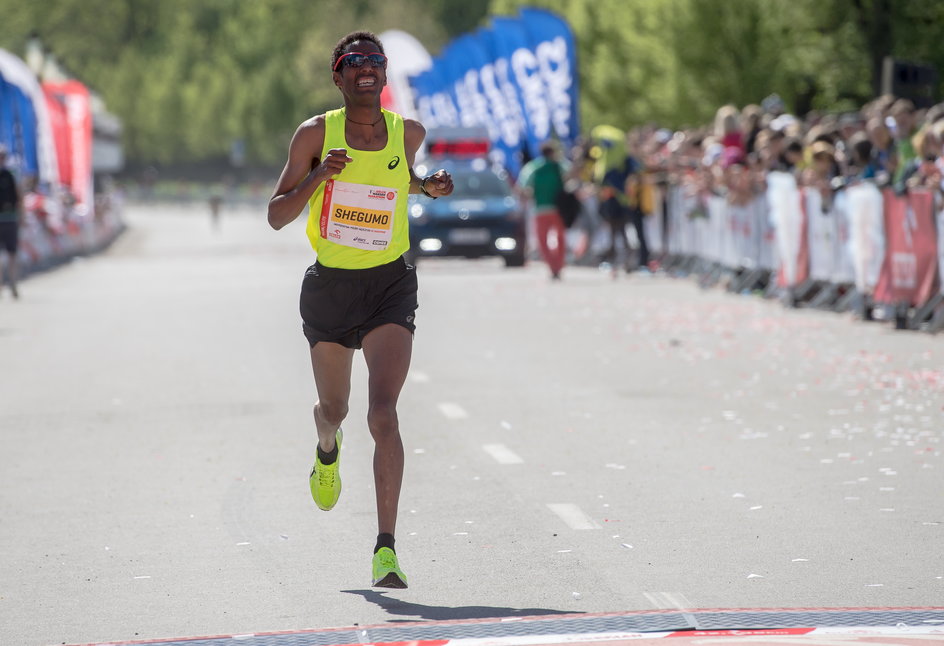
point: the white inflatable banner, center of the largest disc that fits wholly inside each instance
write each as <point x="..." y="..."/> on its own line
<point x="783" y="196"/>
<point x="866" y="234"/>
<point x="717" y="230"/>
<point x="843" y="267"/>
<point x="820" y="235"/>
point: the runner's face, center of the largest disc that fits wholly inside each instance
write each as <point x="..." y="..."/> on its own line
<point x="364" y="80"/>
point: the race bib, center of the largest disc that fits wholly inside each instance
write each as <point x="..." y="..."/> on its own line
<point x="358" y="215"/>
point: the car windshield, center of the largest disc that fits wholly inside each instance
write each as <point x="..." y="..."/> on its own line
<point x="485" y="183"/>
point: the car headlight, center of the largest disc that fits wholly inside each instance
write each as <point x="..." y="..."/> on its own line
<point x="418" y="213"/>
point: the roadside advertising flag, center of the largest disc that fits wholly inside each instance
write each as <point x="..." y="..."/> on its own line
<point x="517" y="78"/>
<point x="77" y="137"/>
<point x="24" y="122"/>
<point x="18" y="128"/>
<point x="59" y="121"/>
<point x="556" y="50"/>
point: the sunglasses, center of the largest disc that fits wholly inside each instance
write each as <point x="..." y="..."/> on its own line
<point x="356" y="59"/>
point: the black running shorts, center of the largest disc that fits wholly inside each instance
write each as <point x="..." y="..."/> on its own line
<point x="343" y="305"/>
<point x="9" y="236"/>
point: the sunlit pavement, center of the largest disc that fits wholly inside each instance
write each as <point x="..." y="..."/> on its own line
<point x="574" y="449"/>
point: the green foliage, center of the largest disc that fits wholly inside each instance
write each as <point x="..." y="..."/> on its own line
<point x="190" y="78"/>
<point x="676" y="61"/>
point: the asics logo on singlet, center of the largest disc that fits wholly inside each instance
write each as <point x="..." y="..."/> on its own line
<point x="393" y="162"/>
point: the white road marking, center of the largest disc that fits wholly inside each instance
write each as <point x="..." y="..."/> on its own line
<point x="419" y="377"/>
<point x="674" y="600"/>
<point x="502" y="454"/>
<point x="452" y="411"/>
<point x="573" y="516"/>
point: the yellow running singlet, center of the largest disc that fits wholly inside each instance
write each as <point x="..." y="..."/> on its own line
<point x="358" y="219"/>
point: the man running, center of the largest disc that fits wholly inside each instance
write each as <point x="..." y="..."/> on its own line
<point x="11" y="208"/>
<point x="354" y="168"/>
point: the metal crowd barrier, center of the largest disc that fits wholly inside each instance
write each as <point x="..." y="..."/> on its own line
<point x="868" y="249"/>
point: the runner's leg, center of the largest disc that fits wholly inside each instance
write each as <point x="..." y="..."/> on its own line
<point x="542" y="227"/>
<point x="558" y="255"/>
<point x="331" y="363"/>
<point x="639" y="225"/>
<point x="14" y="272"/>
<point x="387" y="350"/>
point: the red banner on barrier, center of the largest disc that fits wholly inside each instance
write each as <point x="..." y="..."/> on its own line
<point x="59" y="122"/>
<point x="940" y="249"/>
<point x="910" y="266"/>
<point x="71" y="114"/>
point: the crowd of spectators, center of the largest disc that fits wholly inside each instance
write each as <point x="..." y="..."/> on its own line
<point x="888" y="141"/>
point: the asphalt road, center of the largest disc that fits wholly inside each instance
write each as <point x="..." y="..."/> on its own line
<point x="591" y="445"/>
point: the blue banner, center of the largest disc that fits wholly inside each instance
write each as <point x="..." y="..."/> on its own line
<point x="517" y="78"/>
<point x="556" y="52"/>
<point x="18" y="129"/>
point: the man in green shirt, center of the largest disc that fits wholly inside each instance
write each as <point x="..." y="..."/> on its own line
<point x="543" y="179"/>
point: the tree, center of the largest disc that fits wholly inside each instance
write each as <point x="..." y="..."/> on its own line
<point x="190" y="78"/>
<point x="677" y="61"/>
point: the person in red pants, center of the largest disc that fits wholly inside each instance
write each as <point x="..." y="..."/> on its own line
<point x="543" y="179"/>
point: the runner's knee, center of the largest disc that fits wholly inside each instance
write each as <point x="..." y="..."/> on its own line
<point x="382" y="420"/>
<point x="331" y="412"/>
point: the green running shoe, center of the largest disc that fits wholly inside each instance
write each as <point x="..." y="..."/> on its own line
<point x="325" y="479"/>
<point x="386" y="570"/>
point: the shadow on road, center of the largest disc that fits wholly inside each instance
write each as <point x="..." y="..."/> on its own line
<point x="439" y="613"/>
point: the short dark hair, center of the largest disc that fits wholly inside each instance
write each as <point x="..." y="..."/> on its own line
<point x="792" y="144"/>
<point x="861" y="149"/>
<point x="353" y="37"/>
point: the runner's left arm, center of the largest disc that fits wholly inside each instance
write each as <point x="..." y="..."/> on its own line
<point x="439" y="184"/>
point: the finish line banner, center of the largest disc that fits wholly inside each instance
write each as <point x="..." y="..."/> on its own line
<point x="517" y="78"/>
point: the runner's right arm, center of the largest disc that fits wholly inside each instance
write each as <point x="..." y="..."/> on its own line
<point x="304" y="172"/>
